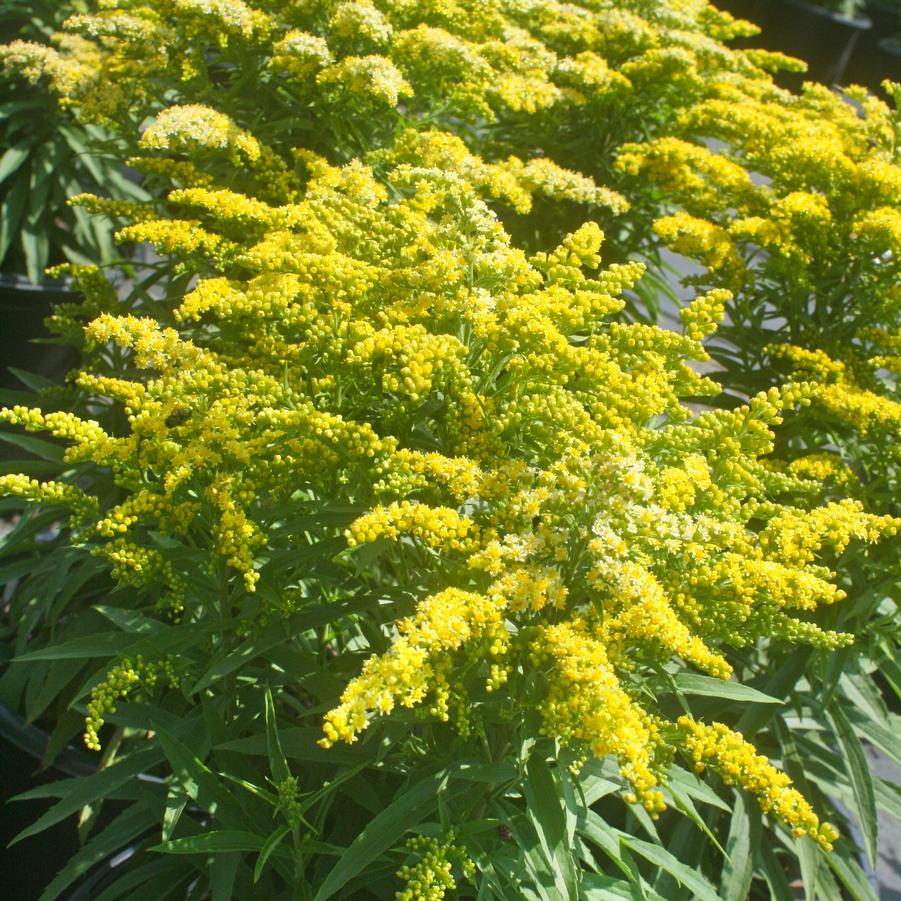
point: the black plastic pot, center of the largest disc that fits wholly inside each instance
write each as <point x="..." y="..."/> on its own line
<point x="877" y="56"/>
<point x="824" y="39"/>
<point x="876" y="61"/>
<point x="23" y="309"/>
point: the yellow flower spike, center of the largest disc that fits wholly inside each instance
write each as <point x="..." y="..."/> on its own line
<point x="404" y="674"/>
<point x="437" y="527"/>
<point x="737" y="761"/>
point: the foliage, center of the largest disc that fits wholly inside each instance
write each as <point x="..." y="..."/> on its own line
<point x="49" y="156"/>
<point x="379" y="514"/>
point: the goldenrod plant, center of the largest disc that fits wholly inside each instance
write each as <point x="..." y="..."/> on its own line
<point x="376" y="549"/>
<point x="47" y="156"/>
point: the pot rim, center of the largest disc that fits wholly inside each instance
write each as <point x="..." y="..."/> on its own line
<point x="859" y="23"/>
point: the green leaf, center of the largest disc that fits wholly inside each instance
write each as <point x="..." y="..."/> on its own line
<point x="384" y="831"/>
<point x="101" y="644"/>
<point x="684" y="875"/>
<point x="222" y="840"/>
<point x="606" y="888"/>
<point x="598" y="831"/>
<point x="200" y="784"/>
<point x="125" y="827"/>
<point x="861" y="783"/>
<point x="693" y="684"/>
<point x="850" y="873"/>
<point x="12" y="211"/>
<point x="683" y="844"/>
<point x="266" y="852"/>
<point x="277" y="763"/>
<point x="36" y="247"/>
<point x="741" y="849"/>
<point x="32" y="380"/>
<point x="685" y="804"/>
<point x="130" y="620"/>
<point x="774" y="874"/>
<point x="779" y="684"/>
<point x="299" y="743"/>
<point x="808" y="854"/>
<point x="223" y="870"/>
<point x="884" y="739"/>
<point x="11" y="160"/>
<point x="176" y="801"/>
<point x="688" y="783"/>
<point x="36" y="446"/>
<point x="88" y="789"/>
<point x="163" y="875"/>
<point x="277" y="634"/>
<point x="545" y="811"/>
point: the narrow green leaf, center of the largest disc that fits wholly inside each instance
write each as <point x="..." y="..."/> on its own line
<point x="808" y="854"/>
<point x="384" y="831"/>
<point x="594" y="828"/>
<point x="123" y="829"/>
<point x="223" y="870"/>
<point x="266" y="852"/>
<point x="130" y="620"/>
<point x="545" y="811"/>
<point x="861" y="782"/>
<point x="779" y="684"/>
<point x="689" y="784"/>
<point x="606" y="888"/>
<point x="741" y="848"/>
<point x="163" y="875"/>
<point x="36" y="446"/>
<point x="850" y="873"/>
<point x="36" y="248"/>
<point x="886" y="739"/>
<point x="684" y="875"/>
<point x="12" y="211"/>
<point x="200" y="783"/>
<point x="101" y="644"/>
<point x="176" y="801"/>
<point x="12" y="160"/>
<point x="774" y="874"/>
<point x="88" y="789"/>
<point x="299" y="743"/>
<point x="32" y="380"/>
<point x="683" y="844"/>
<point x="222" y="840"/>
<point x="275" y="635"/>
<point x="277" y="763"/>
<point x="694" y="684"/>
<point x="685" y="804"/>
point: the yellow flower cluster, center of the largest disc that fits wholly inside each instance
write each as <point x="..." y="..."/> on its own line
<point x="52" y="493"/>
<point x="195" y="127"/>
<point x="120" y="681"/>
<point x="813" y="246"/>
<point x="412" y="668"/>
<point x="369" y="79"/>
<point x="718" y="747"/>
<point x="438" y="527"/>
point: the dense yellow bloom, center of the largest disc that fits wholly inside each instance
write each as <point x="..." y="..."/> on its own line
<point x="368" y="341"/>
<point x="366" y="78"/>
<point x="195" y="127"/>
<point x="738" y="763"/>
